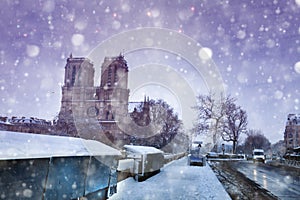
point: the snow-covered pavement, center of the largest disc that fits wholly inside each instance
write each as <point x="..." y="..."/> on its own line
<point x="176" y="180"/>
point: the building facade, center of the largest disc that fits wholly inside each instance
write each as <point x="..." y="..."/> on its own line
<point x="26" y="125"/>
<point x="95" y="112"/>
<point x="292" y="132"/>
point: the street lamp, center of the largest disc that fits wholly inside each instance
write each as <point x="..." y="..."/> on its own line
<point x="223" y="148"/>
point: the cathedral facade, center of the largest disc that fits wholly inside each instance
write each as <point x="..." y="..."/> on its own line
<point x="93" y="112"/>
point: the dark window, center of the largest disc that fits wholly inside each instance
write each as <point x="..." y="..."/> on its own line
<point x="73" y="75"/>
<point x="115" y="73"/>
<point x="107" y="115"/>
<point x="109" y="76"/>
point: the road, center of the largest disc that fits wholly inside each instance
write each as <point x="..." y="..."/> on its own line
<point x="281" y="182"/>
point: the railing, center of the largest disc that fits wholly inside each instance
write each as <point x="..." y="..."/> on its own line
<point x="292" y="160"/>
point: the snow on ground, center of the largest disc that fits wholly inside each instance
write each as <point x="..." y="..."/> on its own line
<point x="176" y="180"/>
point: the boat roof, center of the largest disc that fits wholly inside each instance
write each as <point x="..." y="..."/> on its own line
<point x="17" y="145"/>
<point x="142" y="149"/>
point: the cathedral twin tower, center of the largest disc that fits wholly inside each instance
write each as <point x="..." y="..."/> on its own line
<point x="82" y="100"/>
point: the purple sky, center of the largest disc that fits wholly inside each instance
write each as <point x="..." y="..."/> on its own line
<point x="255" y="45"/>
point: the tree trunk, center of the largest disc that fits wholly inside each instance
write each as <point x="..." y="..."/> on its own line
<point x="234" y="146"/>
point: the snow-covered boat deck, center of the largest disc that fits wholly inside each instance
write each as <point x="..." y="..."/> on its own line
<point x="15" y="145"/>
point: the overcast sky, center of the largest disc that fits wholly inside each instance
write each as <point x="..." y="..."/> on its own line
<point x="254" y="44"/>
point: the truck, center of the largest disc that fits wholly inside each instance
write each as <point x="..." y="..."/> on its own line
<point x="259" y="155"/>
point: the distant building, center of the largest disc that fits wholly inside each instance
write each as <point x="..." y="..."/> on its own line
<point x="27" y="125"/>
<point x="292" y="132"/>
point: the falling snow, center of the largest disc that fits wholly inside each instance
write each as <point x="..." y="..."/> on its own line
<point x="254" y="44"/>
<point x="297" y="67"/>
<point x="77" y="39"/>
<point x="205" y="53"/>
<point x="32" y="50"/>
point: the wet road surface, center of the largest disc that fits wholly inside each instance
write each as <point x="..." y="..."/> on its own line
<point x="282" y="182"/>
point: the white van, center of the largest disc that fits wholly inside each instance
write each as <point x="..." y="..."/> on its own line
<point x="259" y="155"/>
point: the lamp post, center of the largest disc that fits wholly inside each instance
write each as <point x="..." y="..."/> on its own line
<point x="223" y="148"/>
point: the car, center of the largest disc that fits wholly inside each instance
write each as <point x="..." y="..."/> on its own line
<point x="195" y="157"/>
<point x="249" y="157"/>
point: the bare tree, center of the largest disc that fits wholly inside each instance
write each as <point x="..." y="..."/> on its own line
<point x="220" y="117"/>
<point x="162" y="113"/>
<point x="257" y="140"/>
<point x="211" y="111"/>
<point x="166" y="121"/>
<point x="235" y="122"/>
<point x="278" y="149"/>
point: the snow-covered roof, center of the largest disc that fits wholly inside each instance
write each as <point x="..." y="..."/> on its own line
<point x="30" y="120"/>
<point x="258" y="150"/>
<point x="297" y="149"/>
<point x="197" y="142"/>
<point x="293" y="119"/>
<point x="4" y="122"/>
<point x="142" y="149"/>
<point x="15" y="145"/>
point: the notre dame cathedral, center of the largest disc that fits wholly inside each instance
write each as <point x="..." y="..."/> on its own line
<point x="101" y="112"/>
<point x="92" y="112"/>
